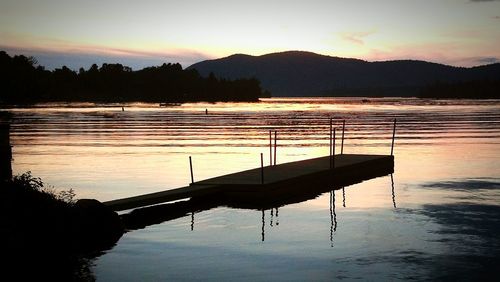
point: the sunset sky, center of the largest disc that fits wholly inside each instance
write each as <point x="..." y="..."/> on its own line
<point x="150" y="32"/>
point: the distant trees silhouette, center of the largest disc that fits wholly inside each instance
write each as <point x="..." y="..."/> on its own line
<point x="23" y="82"/>
<point x="474" y="89"/>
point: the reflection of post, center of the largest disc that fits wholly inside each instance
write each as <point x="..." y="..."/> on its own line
<point x="331" y="220"/>
<point x="393" y="194"/>
<point x="263" y="226"/>
<point x="343" y="197"/>
<point x="192" y="220"/>
<point x="334" y="214"/>
<point x="5" y="148"/>
<point x="277" y="217"/>
<point x="272" y="213"/>
<point x="333" y="217"/>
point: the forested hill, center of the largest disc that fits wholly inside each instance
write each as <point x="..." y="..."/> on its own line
<point x="22" y="81"/>
<point x="297" y="73"/>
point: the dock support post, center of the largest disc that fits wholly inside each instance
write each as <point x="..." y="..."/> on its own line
<point x="393" y="136"/>
<point x="191" y="169"/>
<point x="332" y="148"/>
<point x="270" y="149"/>
<point x="342" y="146"/>
<point x="275" y="141"/>
<point x="261" y="168"/>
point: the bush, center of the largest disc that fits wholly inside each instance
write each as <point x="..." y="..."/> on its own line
<point x="29" y="184"/>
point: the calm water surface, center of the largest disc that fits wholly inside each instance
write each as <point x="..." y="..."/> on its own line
<point x="436" y="217"/>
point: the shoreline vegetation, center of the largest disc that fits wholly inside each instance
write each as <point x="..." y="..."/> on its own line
<point x="50" y="233"/>
<point x="25" y="82"/>
<point x="472" y="89"/>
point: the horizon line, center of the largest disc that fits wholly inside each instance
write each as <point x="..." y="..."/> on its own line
<point x="152" y="59"/>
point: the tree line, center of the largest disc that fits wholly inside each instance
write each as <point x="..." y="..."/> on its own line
<point x="24" y="81"/>
<point x="472" y="89"/>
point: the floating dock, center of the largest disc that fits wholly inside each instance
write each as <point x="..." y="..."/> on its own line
<point x="264" y="183"/>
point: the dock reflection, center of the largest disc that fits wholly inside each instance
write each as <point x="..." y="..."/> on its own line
<point x="333" y="216"/>
<point x="192" y="220"/>
<point x="274" y="216"/>
<point x="263" y="226"/>
<point x="392" y="189"/>
<point x="143" y="217"/>
<point x="343" y="197"/>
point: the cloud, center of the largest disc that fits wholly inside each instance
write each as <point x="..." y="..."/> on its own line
<point x="444" y="53"/>
<point x="473" y="61"/>
<point x="85" y="56"/>
<point x="488" y="60"/>
<point x="355" y="37"/>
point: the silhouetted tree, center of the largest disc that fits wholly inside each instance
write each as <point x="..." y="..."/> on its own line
<point x="22" y="82"/>
<point x="474" y="89"/>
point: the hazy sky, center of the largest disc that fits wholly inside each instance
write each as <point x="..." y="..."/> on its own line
<point x="149" y="32"/>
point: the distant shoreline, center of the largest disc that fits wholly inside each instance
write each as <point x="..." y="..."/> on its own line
<point x="23" y="82"/>
<point x="118" y="105"/>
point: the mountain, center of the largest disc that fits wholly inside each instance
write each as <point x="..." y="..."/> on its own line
<point x="297" y="73"/>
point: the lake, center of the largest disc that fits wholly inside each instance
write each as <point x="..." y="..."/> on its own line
<point x="436" y="217"/>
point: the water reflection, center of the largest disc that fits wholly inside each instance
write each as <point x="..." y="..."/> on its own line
<point x="393" y="194"/>
<point x="143" y="217"/>
<point x="263" y="219"/>
<point x="474" y="184"/>
<point x="333" y="217"/>
<point x="107" y="154"/>
<point x="77" y="145"/>
<point x="258" y="200"/>
<point x="343" y="197"/>
<point x="192" y="220"/>
<point x="430" y="242"/>
<point x="263" y="226"/>
<point x="277" y="216"/>
<point x="469" y="233"/>
<point x="272" y="214"/>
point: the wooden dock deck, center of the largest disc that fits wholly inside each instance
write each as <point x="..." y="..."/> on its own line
<point x="277" y="179"/>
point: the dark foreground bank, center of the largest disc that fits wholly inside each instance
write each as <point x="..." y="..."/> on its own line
<point x="50" y="235"/>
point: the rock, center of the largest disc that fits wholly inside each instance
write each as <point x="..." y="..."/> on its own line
<point x="97" y="227"/>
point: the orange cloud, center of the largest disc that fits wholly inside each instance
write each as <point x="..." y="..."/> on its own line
<point x="356" y="37"/>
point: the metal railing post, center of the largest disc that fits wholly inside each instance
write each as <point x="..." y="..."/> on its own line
<point x="342" y="145"/>
<point x="191" y="169"/>
<point x="275" y="141"/>
<point x="333" y="149"/>
<point x="270" y="149"/>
